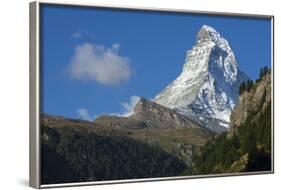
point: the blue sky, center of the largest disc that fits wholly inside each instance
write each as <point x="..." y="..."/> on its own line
<point x="146" y="48"/>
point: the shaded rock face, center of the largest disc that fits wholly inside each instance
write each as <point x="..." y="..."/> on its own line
<point x="253" y="102"/>
<point x="207" y="88"/>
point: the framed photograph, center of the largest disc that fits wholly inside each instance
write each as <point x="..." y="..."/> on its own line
<point x="133" y="94"/>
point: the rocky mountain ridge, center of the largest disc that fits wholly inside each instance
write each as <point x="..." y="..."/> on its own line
<point x="148" y="114"/>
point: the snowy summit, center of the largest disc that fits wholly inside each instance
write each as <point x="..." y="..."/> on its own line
<point x="207" y="88"/>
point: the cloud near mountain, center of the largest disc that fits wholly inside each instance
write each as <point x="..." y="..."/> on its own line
<point x="129" y="106"/>
<point x="93" y="62"/>
<point x="84" y="114"/>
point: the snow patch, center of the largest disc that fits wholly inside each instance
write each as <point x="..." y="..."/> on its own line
<point x="224" y="124"/>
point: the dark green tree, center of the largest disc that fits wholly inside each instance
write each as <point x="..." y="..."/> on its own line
<point x="242" y="87"/>
<point x="249" y="85"/>
<point x="263" y="71"/>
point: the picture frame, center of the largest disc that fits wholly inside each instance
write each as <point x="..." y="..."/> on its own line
<point x="37" y="95"/>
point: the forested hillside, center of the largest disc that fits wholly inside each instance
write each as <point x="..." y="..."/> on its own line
<point x="73" y="154"/>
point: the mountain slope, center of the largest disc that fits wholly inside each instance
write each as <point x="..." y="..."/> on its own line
<point x="158" y="116"/>
<point x="78" y="151"/>
<point x="148" y="114"/>
<point x="207" y="88"/>
<point x="247" y="146"/>
<point x="155" y="124"/>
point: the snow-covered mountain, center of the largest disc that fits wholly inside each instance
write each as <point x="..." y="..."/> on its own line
<point x="207" y="89"/>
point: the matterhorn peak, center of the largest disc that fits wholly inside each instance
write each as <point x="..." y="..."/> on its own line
<point x="208" y="29"/>
<point x="207" y="33"/>
<point x="207" y="88"/>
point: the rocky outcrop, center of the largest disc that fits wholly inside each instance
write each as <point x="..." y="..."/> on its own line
<point x="158" y="116"/>
<point x="148" y="114"/>
<point x="252" y="102"/>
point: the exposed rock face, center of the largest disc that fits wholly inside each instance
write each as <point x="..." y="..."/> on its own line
<point x="207" y="88"/>
<point x="158" y="116"/>
<point x="148" y="114"/>
<point x="254" y="101"/>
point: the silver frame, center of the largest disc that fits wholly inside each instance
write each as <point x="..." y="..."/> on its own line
<point x="34" y="97"/>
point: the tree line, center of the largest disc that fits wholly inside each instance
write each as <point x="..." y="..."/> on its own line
<point x="248" y="85"/>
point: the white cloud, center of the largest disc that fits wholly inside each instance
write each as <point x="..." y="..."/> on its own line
<point x="129" y="106"/>
<point x="98" y="63"/>
<point x="128" y="110"/>
<point x="84" y="114"/>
